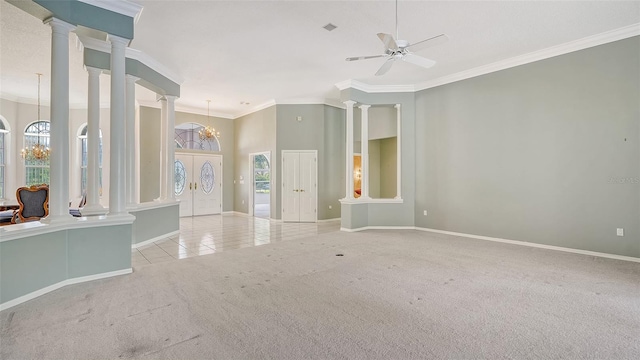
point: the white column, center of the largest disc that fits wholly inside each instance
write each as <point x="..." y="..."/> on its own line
<point x="93" y="144"/>
<point x="59" y="130"/>
<point x="164" y="119"/>
<point x="349" y="174"/>
<point x="117" y="144"/>
<point x="364" y="149"/>
<point x="399" y="151"/>
<point x="171" y="148"/>
<point x="130" y="148"/>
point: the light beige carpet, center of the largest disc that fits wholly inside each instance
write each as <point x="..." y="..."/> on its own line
<point x="393" y="295"/>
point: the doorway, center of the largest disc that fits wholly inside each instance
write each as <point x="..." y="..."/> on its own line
<point x="299" y="185"/>
<point x="198" y="184"/>
<point x="260" y="199"/>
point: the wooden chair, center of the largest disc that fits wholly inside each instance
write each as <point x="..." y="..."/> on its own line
<point x="33" y="202"/>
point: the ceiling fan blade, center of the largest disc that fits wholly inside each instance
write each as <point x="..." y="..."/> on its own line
<point x="385" y="67"/>
<point x="421" y="45"/>
<point x="418" y="60"/>
<point x="364" y="57"/>
<point x="388" y="41"/>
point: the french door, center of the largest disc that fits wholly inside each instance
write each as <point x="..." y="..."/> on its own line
<point x="299" y="185"/>
<point x="198" y="184"/>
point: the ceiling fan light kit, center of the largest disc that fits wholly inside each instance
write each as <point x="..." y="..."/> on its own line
<point x="397" y="49"/>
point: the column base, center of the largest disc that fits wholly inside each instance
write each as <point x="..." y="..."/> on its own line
<point x="93" y="210"/>
<point x="57" y="219"/>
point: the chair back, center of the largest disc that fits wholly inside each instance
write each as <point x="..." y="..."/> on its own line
<point x="33" y="201"/>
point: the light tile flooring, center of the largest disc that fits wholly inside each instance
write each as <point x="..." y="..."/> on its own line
<point x="203" y="235"/>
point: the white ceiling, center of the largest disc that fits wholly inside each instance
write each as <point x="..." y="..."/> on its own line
<point x="257" y="51"/>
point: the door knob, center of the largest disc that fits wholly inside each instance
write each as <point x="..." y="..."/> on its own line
<point x="190" y="186"/>
<point x="196" y="186"/>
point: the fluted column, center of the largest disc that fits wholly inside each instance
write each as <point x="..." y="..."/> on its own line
<point x="117" y="144"/>
<point x="349" y="174"/>
<point x="171" y="148"/>
<point x="364" y="163"/>
<point x="130" y="147"/>
<point x="164" y="119"/>
<point x="59" y="130"/>
<point x="93" y="144"/>
<point x="399" y="151"/>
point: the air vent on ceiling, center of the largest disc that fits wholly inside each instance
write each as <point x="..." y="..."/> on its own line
<point x="329" y="27"/>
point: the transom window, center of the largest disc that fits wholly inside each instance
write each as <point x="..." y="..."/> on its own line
<point x="186" y="137"/>
<point x="36" y="170"/>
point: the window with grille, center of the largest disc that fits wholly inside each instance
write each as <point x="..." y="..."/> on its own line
<point x="36" y="170"/>
<point x="83" y="161"/>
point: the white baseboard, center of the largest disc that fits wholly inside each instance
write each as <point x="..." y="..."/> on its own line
<point x="50" y="288"/>
<point x="152" y="240"/>
<point x="536" y="245"/>
<point x="378" y="228"/>
<point x="329" y="220"/>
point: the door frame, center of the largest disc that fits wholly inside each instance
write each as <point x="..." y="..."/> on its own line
<point x="252" y="190"/>
<point x="315" y="152"/>
<point x="205" y="154"/>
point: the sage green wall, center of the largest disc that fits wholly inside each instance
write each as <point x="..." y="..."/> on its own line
<point x="226" y="128"/>
<point x="147" y="226"/>
<point x="149" y="153"/>
<point x="545" y="152"/>
<point x="253" y="133"/>
<point x="388" y="167"/>
<point x="321" y="129"/>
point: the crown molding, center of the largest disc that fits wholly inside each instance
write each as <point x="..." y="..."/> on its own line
<point x="264" y="105"/>
<point x="358" y="85"/>
<point x="576" y="45"/>
<point x="186" y="109"/>
<point x="122" y="7"/>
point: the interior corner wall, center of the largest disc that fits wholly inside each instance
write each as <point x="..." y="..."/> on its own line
<point x="253" y="133"/>
<point x="546" y="152"/>
<point x="149" y="146"/>
<point x="226" y="128"/>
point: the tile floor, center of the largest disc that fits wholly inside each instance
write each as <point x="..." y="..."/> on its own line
<point x="203" y="235"/>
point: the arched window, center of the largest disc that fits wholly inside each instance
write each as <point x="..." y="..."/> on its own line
<point x="187" y="137"/>
<point x="3" y="130"/>
<point x="83" y="159"/>
<point x="36" y="135"/>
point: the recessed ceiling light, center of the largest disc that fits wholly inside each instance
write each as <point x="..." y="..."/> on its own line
<point x="329" y="27"/>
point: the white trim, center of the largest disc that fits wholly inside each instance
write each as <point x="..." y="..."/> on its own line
<point x="378" y="228"/>
<point x="122" y="7"/>
<point x="154" y="239"/>
<point x="33" y="228"/>
<point x="252" y="190"/>
<point x="264" y="105"/>
<point x="50" y="288"/>
<point x="235" y="213"/>
<point x="149" y="205"/>
<point x="358" y="85"/>
<point x="536" y="245"/>
<point x="329" y="220"/>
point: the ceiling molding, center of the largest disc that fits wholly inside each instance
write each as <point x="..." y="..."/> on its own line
<point x="358" y="85"/>
<point x="186" y="109"/>
<point x="576" y="45"/>
<point x="264" y="105"/>
<point x="122" y="7"/>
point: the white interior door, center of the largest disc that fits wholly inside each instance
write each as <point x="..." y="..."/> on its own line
<point x="307" y="186"/>
<point x="207" y="192"/>
<point x="299" y="179"/>
<point x="184" y="183"/>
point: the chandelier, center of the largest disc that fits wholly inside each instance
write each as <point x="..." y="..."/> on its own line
<point x="208" y="132"/>
<point x="37" y="151"/>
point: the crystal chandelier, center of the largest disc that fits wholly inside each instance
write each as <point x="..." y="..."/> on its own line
<point x="208" y="132"/>
<point x="36" y="151"/>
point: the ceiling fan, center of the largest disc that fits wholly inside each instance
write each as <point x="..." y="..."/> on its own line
<point x="402" y="50"/>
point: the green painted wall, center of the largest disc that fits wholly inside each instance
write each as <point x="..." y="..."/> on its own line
<point x="149" y="153"/>
<point x="546" y="152"/>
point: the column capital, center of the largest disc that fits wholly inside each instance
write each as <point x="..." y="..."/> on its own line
<point x="59" y="26"/>
<point x="349" y="103"/>
<point x="397" y="106"/>
<point x="93" y="70"/>
<point x="364" y="106"/>
<point x="130" y="78"/>
<point x="117" y="40"/>
<point x="170" y="98"/>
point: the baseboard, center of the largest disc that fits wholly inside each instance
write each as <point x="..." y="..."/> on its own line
<point x="378" y="228"/>
<point x="329" y="220"/>
<point x="235" y="213"/>
<point x="50" y="288"/>
<point x="536" y="245"/>
<point x="152" y="240"/>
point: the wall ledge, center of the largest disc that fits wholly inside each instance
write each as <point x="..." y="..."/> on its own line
<point x="371" y="201"/>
